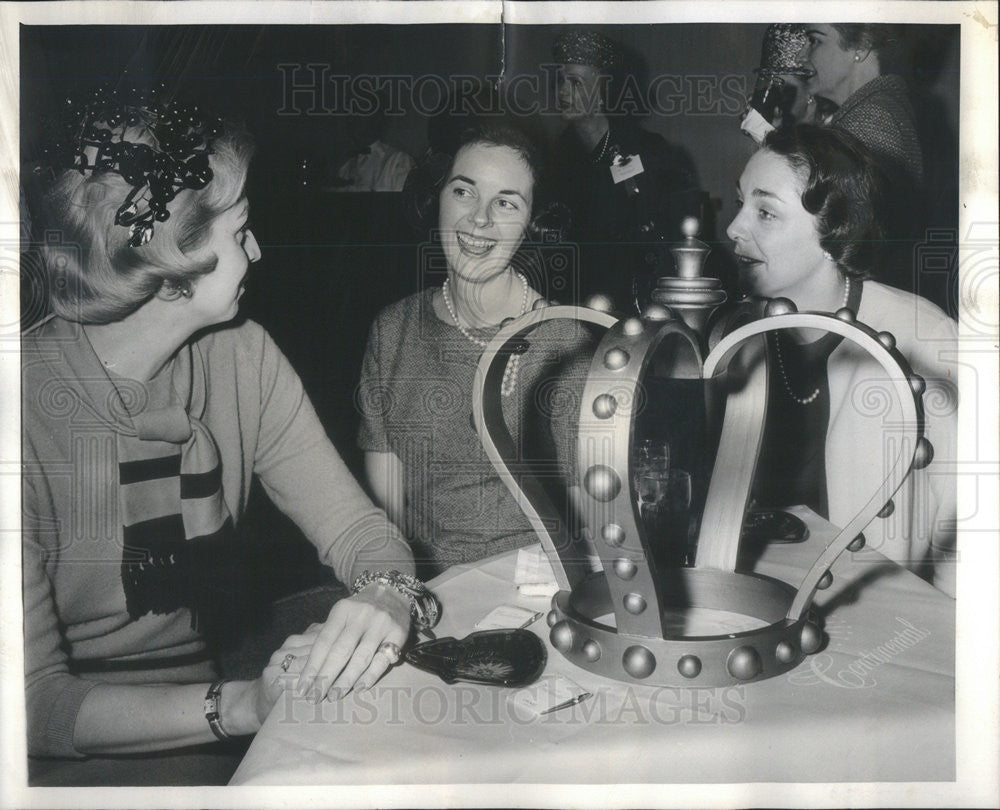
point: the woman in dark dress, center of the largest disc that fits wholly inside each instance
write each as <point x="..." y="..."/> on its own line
<point x="628" y="189"/>
<point x="805" y="232"/>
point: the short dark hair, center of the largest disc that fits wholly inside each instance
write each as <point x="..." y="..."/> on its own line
<point x="502" y="133"/>
<point x="843" y="190"/>
<point x="885" y="40"/>
<point x="424" y="183"/>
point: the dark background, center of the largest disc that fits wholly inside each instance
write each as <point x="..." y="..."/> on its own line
<point x="331" y="261"/>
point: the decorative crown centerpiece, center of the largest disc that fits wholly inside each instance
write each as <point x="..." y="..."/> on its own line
<point x="620" y="622"/>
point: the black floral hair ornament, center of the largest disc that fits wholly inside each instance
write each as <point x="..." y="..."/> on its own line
<point x="159" y="147"/>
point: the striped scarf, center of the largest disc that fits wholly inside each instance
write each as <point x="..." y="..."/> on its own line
<point x="179" y="544"/>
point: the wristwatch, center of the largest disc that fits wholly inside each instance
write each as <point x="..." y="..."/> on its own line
<point x="212" y="710"/>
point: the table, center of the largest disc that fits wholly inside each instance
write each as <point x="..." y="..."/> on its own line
<point x="878" y="704"/>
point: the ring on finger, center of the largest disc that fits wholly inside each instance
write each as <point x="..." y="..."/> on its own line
<point x="286" y="662"/>
<point x="390" y="651"/>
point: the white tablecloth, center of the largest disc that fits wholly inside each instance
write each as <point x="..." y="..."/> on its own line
<point x="876" y="705"/>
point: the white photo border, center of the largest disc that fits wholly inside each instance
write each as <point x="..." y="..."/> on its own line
<point x="978" y="606"/>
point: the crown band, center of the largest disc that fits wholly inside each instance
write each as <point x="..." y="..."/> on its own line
<point x="641" y="646"/>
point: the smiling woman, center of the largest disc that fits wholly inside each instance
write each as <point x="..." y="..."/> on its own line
<point x="851" y="66"/>
<point x="485" y="207"/>
<point x="423" y="458"/>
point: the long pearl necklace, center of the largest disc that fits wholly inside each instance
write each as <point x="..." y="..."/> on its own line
<point x="509" y="381"/>
<point x="604" y="145"/>
<point x="781" y="362"/>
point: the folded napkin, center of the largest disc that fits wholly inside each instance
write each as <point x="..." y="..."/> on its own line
<point x="508" y="616"/>
<point x="533" y="574"/>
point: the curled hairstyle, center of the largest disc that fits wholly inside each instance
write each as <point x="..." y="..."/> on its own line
<point x="424" y="184"/>
<point x="93" y="275"/>
<point x="842" y="190"/>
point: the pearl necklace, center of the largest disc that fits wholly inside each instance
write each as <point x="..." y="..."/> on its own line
<point x="604" y="145"/>
<point x="509" y="381"/>
<point x="781" y="362"/>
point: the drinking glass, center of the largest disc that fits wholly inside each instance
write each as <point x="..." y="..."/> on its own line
<point x="664" y="499"/>
<point x="651" y="475"/>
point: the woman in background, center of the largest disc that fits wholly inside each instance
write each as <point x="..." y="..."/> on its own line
<point x="805" y="232"/>
<point x="145" y="417"/>
<point x="849" y="68"/>
<point x="779" y="96"/>
<point x="423" y="458"/>
<point x="629" y="189"/>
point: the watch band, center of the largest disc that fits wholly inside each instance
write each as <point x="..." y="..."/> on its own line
<point x="212" y="710"/>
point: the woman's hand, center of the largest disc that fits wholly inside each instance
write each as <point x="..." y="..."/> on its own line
<point x="283" y="669"/>
<point x="245" y="705"/>
<point x="345" y="651"/>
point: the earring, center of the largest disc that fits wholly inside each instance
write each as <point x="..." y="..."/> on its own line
<point x="827" y="255"/>
<point x="170" y="290"/>
<point x="857" y="57"/>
